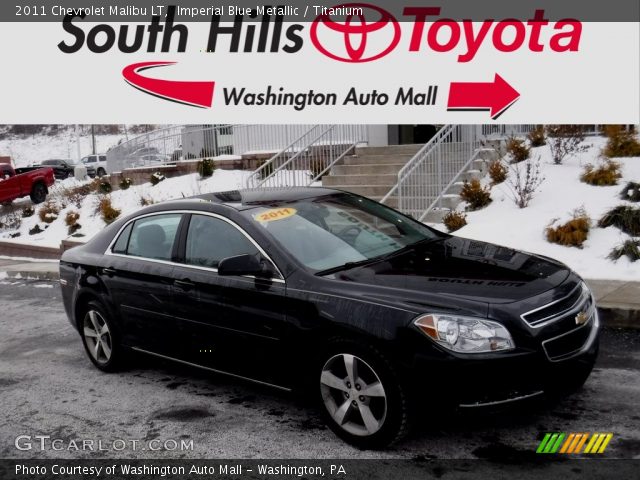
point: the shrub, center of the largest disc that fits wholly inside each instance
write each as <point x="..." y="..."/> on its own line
<point x="145" y="201"/>
<point x="573" y="233"/>
<point x="156" y="178"/>
<point x="28" y="212"/>
<point x="536" y="136"/>
<point x="518" y="150"/>
<point x="623" y="217"/>
<point x="621" y="142"/>
<point x="10" y="221"/>
<point x="106" y="210"/>
<point x="206" y="167"/>
<point x="454" y="221"/>
<point x="35" y="230"/>
<point x="631" y="192"/>
<point x="497" y="172"/>
<point x="475" y="195"/>
<point x="125" y="183"/>
<point x="525" y="182"/>
<point x="565" y="141"/>
<point x="48" y="212"/>
<point x="105" y="186"/>
<point x="630" y="249"/>
<point x="605" y="175"/>
<point x="71" y="220"/>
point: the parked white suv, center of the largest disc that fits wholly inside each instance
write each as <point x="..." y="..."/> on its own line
<point x="98" y="162"/>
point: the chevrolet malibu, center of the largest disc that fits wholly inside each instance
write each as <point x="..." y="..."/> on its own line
<point x="375" y="314"/>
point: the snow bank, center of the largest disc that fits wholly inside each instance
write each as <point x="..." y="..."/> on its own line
<point x="502" y="222"/>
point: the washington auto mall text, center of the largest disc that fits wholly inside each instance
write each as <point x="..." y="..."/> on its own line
<point x="430" y="32"/>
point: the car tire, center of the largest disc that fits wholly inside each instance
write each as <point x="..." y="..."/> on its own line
<point x="348" y="372"/>
<point x="101" y="172"/>
<point x="100" y="337"/>
<point x="38" y="193"/>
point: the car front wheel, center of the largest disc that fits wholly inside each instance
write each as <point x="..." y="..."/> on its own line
<point x="363" y="400"/>
<point x="100" y="338"/>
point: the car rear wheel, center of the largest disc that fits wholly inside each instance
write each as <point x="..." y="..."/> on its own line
<point x="363" y="400"/>
<point x="100" y="338"/>
<point x="101" y="172"/>
<point x="38" y="193"/>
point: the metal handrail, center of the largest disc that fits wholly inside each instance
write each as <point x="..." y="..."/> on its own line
<point x="424" y="180"/>
<point x="304" y="161"/>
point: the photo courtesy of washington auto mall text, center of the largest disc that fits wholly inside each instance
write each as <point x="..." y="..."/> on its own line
<point x="349" y="240"/>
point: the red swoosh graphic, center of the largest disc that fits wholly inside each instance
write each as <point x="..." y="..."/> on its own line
<point x="196" y="94"/>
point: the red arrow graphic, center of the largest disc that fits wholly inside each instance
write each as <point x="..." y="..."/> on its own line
<point x="494" y="96"/>
<point x="196" y="94"/>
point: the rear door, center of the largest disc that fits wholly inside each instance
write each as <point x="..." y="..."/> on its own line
<point x="231" y="323"/>
<point x="139" y="275"/>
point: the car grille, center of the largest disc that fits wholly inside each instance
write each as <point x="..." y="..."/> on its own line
<point x="568" y="344"/>
<point x="578" y="300"/>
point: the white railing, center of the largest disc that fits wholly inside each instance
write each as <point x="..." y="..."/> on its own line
<point x="436" y="166"/>
<point x="191" y="142"/>
<point x="305" y="160"/>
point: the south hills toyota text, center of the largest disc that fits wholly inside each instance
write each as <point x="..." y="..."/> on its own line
<point x="419" y="29"/>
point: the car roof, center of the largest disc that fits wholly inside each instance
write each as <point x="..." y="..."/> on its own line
<point x="245" y="199"/>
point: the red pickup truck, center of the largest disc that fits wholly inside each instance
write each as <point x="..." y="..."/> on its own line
<point x="20" y="182"/>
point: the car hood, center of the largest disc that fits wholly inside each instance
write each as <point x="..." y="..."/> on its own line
<point x="462" y="268"/>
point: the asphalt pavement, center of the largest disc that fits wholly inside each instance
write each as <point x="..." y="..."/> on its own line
<point x="49" y="388"/>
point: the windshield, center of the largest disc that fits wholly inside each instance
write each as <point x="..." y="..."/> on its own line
<point x="329" y="232"/>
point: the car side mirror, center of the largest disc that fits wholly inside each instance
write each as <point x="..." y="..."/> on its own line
<point x="243" y="265"/>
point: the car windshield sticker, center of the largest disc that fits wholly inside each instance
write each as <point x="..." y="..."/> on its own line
<point x="275" y="214"/>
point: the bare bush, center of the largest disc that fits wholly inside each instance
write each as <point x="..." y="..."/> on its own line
<point x="565" y="141"/>
<point x="524" y="181"/>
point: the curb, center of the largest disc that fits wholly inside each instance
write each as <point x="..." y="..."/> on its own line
<point x="33" y="275"/>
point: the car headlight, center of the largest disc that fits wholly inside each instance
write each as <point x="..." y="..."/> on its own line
<point x="465" y="334"/>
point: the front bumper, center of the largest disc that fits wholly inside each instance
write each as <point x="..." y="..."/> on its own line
<point x="497" y="379"/>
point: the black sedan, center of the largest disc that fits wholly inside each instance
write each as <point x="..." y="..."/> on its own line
<point x="375" y="314"/>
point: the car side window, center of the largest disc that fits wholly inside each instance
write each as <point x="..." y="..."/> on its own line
<point x="123" y="241"/>
<point x="210" y="240"/>
<point x="102" y="158"/>
<point x="153" y="237"/>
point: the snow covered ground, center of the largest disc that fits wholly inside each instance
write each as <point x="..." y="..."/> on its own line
<point x="30" y="149"/>
<point x="127" y="201"/>
<point x="502" y="222"/>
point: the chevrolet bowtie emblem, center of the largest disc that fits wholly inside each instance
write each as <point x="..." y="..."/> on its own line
<point x="582" y="318"/>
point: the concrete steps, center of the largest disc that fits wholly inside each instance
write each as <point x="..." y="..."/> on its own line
<point x="373" y="172"/>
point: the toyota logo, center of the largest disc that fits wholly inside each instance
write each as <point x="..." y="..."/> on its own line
<point x="357" y="34"/>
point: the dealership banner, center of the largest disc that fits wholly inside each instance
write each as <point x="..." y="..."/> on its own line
<point x="428" y="61"/>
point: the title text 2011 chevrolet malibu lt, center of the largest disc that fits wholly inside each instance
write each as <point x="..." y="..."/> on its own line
<point x="374" y="313"/>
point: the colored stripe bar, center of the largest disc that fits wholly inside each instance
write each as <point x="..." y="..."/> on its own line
<point x="556" y="446"/>
<point x="543" y="443"/>
<point x="574" y="444"/>
<point x="567" y="443"/>
<point x="605" y="443"/>
<point x="582" y="442"/>
<point x="551" y="443"/>
<point x="593" y="440"/>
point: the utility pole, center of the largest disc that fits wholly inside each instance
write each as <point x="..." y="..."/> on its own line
<point x="93" y="139"/>
<point x="78" y="141"/>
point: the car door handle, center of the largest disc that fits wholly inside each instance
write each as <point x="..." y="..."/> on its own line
<point x="185" y="284"/>
<point x="109" y="271"/>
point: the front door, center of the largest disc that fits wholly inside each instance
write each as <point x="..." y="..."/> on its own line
<point x="235" y="324"/>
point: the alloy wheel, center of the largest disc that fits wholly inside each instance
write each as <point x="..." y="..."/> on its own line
<point x="98" y="337"/>
<point x="353" y="394"/>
